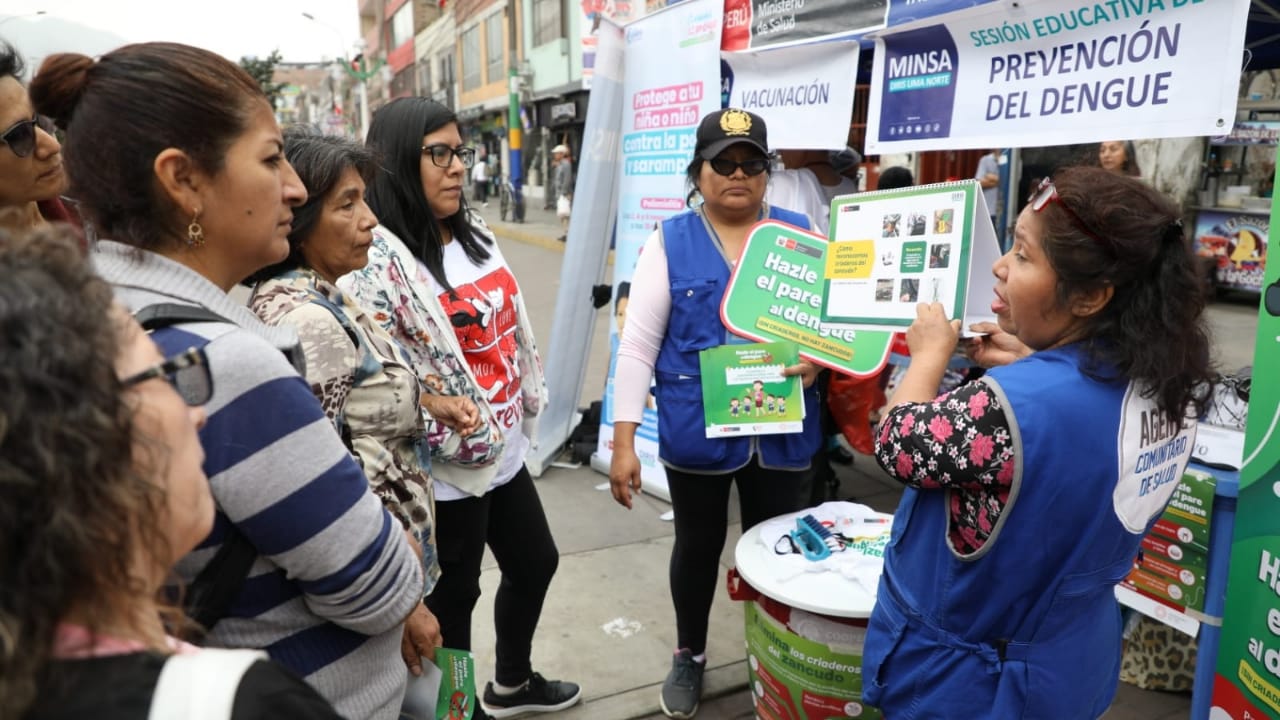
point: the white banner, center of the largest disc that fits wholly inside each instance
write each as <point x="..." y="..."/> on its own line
<point x="672" y="80"/>
<point x="804" y="93"/>
<point x="1049" y="72"/>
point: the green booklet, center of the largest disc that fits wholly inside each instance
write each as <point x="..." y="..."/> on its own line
<point x="745" y="393"/>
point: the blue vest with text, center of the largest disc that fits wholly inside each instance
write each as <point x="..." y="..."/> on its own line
<point x="1028" y="625"/>
<point x="699" y="276"/>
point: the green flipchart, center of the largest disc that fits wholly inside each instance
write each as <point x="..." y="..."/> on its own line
<point x="775" y="294"/>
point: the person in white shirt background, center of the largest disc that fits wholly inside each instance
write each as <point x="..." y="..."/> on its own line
<point x="480" y="181"/>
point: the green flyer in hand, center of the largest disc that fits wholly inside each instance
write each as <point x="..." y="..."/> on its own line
<point x="457" y="697"/>
<point x="745" y="393"/>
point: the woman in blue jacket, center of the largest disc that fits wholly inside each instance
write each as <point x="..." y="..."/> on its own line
<point x="673" y="313"/>
<point x="1029" y="490"/>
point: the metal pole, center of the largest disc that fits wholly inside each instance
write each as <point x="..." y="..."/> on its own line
<point x="515" y="129"/>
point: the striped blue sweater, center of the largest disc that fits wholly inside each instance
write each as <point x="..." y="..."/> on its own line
<point x="335" y="577"/>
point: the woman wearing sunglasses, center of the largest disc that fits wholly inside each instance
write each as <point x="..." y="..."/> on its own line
<point x="191" y="197"/>
<point x="101" y="493"/>
<point x="674" y="312"/>
<point x="438" y="283"/>
<point x="1029" y="490"/>
<point x="31" y="174"/>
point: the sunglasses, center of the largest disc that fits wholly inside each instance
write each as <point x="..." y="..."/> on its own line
<point x="751" y="168"/>
<point x="1047" y="193"/>
<point x="21" y="136"/>
<point x="442" y="155"/>
<point x="187" y="372"/>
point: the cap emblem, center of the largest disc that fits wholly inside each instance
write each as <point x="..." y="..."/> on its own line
<point x="735" y="122"/>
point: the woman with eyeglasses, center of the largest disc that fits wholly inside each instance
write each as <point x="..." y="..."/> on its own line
<point x="674" y="313"/>
<point x="101" y="493"/>
<point x="1029" y="490"/>
<point x="31" y="173"/>
<point x="191" y="197"/>
<point x="438" y="283"/>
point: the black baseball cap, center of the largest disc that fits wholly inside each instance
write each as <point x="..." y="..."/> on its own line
<point x="722" y="128"/>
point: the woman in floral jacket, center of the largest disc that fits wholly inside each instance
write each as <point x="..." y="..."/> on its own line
<point x="438" y="283"/>
<point x="361" y="376"/>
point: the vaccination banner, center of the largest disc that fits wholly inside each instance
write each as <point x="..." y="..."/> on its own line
<point x="1247" y="682"/>
<point x="672" y="79"/>
<point x="803" y="93"/>
<point x="1042" y="72"/>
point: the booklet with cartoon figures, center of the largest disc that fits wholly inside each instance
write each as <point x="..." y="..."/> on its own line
<point x="745" y="393"/>
<point x="893" y="249"/>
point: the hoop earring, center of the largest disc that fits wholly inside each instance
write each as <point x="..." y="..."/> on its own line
<point x="195" y="233"/>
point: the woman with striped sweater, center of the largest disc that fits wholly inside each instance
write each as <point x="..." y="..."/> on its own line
<point x="176" y="156"/>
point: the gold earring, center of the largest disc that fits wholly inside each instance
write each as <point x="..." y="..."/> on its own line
<point x="195" y="233"/>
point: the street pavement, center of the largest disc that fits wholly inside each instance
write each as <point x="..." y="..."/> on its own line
<point x="608" y="622"/>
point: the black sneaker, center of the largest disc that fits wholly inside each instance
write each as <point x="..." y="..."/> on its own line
<point x="538" y="695"/>
<point x="682" y="690"/>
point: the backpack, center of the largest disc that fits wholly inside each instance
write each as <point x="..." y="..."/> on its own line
<point x="586" y="435"/>
<point x="202" y="685"/>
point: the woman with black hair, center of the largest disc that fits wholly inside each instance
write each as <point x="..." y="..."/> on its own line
<point x="438" y="283"/>
<point x="31" y="173"/>
<point x="1118" y="156"/>
<point x="1029" y="490"/>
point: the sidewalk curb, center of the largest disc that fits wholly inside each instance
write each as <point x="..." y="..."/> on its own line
<point x="513" y="231"/>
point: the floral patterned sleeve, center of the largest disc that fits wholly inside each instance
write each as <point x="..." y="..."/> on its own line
<point x="959" y="441"/>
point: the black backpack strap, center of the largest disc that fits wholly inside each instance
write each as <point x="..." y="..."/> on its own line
<point x="163" y="315"/>
<point x="210" y="594"/>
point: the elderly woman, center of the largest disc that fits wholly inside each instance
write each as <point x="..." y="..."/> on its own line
<point x="363" y="378"/>
<point x="101" y="492"/>
<point x="1025" y="500"/>
<point x="31" y="174"/>
<point x="192" y="196"/>
<point x="673" y="313"/>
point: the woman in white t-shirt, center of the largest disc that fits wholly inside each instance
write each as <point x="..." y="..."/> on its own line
<point x="438" y="283"/>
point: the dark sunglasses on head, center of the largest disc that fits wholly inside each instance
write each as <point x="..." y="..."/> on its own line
<point x="1047" y="193"/>
<point x="187" y="372"/>
<point x="727" y="167"/>
<point x="442" y="155"/>
<point x="21" y="136"/>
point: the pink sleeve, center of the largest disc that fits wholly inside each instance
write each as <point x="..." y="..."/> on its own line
<point x="648" y="309"/>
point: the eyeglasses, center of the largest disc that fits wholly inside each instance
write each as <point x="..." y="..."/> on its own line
<point x="21" y="136"/>
<point x="442" y="155"/>
<point x="727" y="167"/>
<point x="1047" y="193"/>
<point x="187" y="372"/>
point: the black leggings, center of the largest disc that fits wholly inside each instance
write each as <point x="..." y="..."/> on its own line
<point x="510" y="520"/>
<point x="701" y="506"/>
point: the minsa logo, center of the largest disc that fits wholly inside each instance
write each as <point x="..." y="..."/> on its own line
<point x="922" y="63"/>
<point x="786" y="242"/>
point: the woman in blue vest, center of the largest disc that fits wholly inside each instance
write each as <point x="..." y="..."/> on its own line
<point x="1029" y="490"/>
<point x="673" y="313"/>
